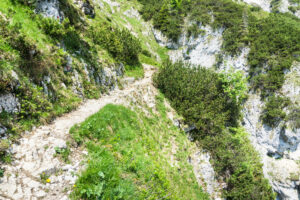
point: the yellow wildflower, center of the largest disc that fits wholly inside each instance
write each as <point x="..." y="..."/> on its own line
<point x="48" y="180"/>
<point x="74" y="186"/>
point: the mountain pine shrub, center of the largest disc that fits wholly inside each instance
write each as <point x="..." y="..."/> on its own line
<point x="212" y="103"/>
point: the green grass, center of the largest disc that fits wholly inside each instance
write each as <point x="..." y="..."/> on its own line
<point x="23" y="16"/>
<point x="62" y="153"/>
<point x="136" y="72"/>
<point x="129" y="157"/>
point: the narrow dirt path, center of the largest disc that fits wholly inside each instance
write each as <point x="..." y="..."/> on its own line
<point x="34" y="154"/>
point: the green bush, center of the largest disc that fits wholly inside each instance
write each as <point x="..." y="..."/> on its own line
<point x="237" y="161"/>
<point x="274" y="42"/>
<point x="294" y="117"/>
<point x="121" y="44"/>
<point x="34" y="103"/>
<point x="198" y="95"/>
<point x="234" y="85"/>
<point x="52" y="27"/>
<point x="273" y="111"/>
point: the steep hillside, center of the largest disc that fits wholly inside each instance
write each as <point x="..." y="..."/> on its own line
<point x="130" y="150"/>
<point x="80" y="117"/>
<point x="54" y="54"/>
<point x="229" y="36"/>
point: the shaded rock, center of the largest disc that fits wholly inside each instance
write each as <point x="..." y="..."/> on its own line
<point x="177" y="123"/>
<point x="88" y="9"/>
<point x="189" y="129"/>
<point x="3" y="131"/>
<point x="108" y="77"/>
<point x="77" y="87"/>
<point x="162" y="40"/>
<point x="120" y="69"/>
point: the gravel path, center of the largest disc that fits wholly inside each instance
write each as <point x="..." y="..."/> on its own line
<point x="33" y="155"/>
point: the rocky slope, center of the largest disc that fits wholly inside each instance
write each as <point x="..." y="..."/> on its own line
<point x="284" y="6"/>
<point x="278" y="146"/>
<point x="34" y="173"/>
<point x="33" y="155"/>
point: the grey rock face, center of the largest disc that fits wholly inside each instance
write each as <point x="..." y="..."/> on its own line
<point x="9" y="103"/>
<point x="77" y="87"/>
<point x="197" y="51"/>
<point x="46" y="80"/>
<point x="205" y="174"/>
<point x="237" y="62"/>
<point x="133" y="13"/>
<point x="120" y="69"/>
<point x="278" y="148"/>
<point x="108" y="77"/>
<point x="49" y="8"/>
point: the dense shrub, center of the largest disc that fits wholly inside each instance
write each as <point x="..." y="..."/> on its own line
<point x="166" y="14"/>
<point x="34" y="103"/>
<point x="197" y="94"/>
<point x="234" y="85"/>
<point x="52" y="27"/>
<point x="211" y="102"/>
<point x="121" y="44"/>
<point x="275" y="42"/>
<point x="273" y="111"/>
<point x="236" y="160"/>
<point x="274" y="39"/>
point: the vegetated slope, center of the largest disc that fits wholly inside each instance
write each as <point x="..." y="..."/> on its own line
<point x="54" y="54"/>
<point x="137" y="154"/>
<point x="265" y="45"/>
<point x="130" y="156"/>
<point x="133" y="153"/>
<point x="49" y="66"/>
<point x="211" y="103"/>
<point x="273" y="38"/>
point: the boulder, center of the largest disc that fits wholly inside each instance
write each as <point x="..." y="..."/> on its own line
<point x="9" y="103"/>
